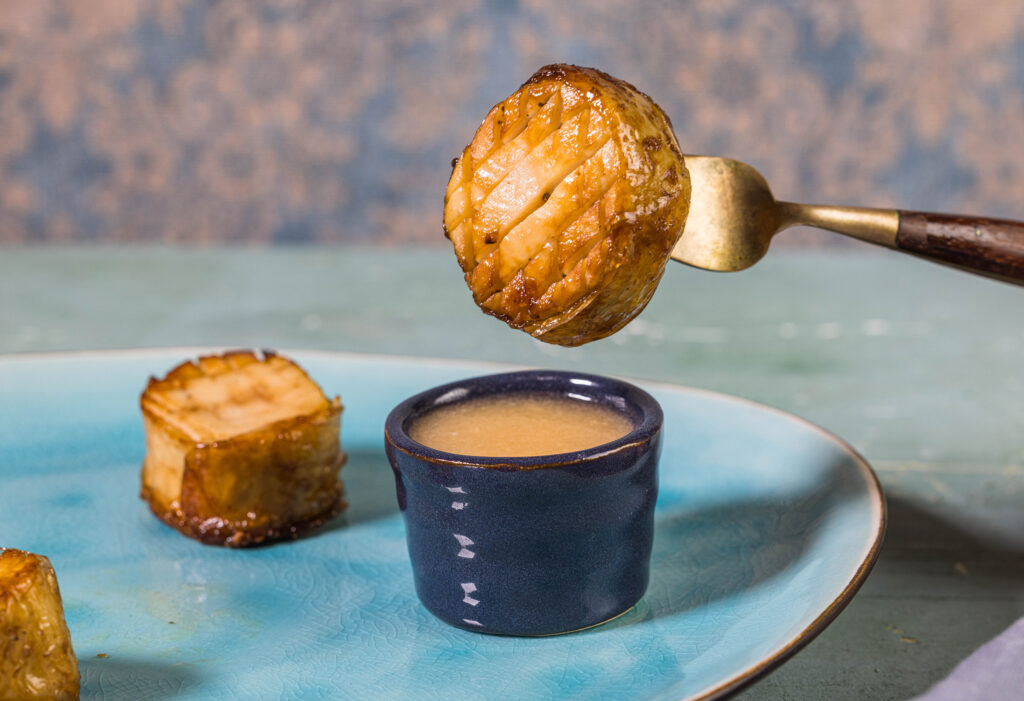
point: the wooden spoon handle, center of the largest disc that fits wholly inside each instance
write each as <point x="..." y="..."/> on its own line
<point x="993" y="247"/>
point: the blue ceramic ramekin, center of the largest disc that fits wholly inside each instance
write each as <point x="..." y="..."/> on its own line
<point x="534" y="545"/>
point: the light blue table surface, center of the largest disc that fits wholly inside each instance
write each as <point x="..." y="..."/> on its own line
<point x="918" y="367"/>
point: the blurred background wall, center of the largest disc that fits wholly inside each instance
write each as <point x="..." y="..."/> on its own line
<point x="294" y="121"/>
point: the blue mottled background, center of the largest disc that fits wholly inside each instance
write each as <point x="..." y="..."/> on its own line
<point x="320" y="121"/>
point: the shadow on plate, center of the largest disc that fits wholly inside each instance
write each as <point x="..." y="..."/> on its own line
<point x="706" y="555"/>
<point x="369" y="489"/>
<point x="127" y="679"/>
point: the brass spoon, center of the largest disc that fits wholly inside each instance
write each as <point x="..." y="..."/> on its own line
<point x="733" y="217"/>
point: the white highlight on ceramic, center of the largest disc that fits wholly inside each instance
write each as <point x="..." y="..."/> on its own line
<point x="456" y="490"/>
<point x="471" y="622"/>
<point x="458" y="505"/>
<point x="464" y="541"/>
<point x="467" y="589"/>
<point x="452" y="395"/>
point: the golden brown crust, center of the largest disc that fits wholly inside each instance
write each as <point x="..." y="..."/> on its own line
<point x="565" y="207"/>
<point x="273" y="482"/>
<point x="36" y="657"/>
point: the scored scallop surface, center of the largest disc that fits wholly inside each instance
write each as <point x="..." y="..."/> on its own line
<point x="565" y="206"/>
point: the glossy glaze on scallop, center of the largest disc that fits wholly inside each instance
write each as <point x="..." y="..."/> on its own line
<point x="36" y="657"/>
<point x="241" y="450"/>
<point x="564" y="208"/>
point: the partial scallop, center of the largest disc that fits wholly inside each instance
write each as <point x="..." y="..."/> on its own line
<point x="565" y="207"/>
<point x="36" y="657"/>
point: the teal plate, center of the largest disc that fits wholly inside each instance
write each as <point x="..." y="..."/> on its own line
<point x="766" y="527"/>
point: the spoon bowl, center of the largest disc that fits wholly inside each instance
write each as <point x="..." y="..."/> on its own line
<point x="733" y="215"/>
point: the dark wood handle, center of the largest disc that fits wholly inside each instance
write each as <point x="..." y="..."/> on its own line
<point x="992" y="247"/>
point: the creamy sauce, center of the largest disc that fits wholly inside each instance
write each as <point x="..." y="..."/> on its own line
<point x="519" y="425"/>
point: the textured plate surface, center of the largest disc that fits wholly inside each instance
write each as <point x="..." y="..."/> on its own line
<point x="765" y="528"/>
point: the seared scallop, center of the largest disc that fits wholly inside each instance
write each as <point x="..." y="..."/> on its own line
<point x="241" y="449"/>
<point x="565" y="207"/>
<point x="36" y="657"/>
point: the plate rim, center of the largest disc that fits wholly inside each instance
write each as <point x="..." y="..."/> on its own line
<point x="730" y="686"/>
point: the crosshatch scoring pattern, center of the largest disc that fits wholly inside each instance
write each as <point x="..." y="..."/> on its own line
<point x="315" y="121"/>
